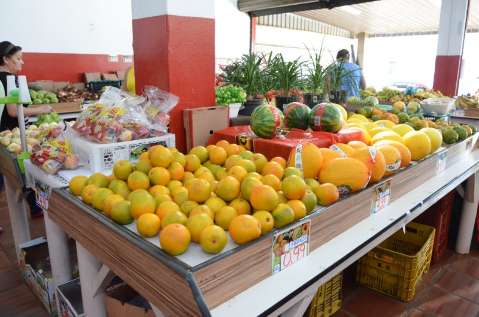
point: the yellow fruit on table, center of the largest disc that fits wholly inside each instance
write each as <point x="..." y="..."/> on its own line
<point x="175" y="239"/>
<point x="196" y="224"/>
<point x="328" y="155"/>
<point x="213" y="239"/>
<point x="348" y="174"/>
<point x="192" y="162"/>
<point x="148" y="225"/>
<point x="159" y="190"/>
<point x="343" y="149"/>
<point x="201" y="152"/>
<point x="265" y="219"/>
<point x="188" y="206"/>
<point x="272" y="180"/>
<point x="144" y="156"/>
<point x="418" y="143"/>
<point x="233" y="149"/>
<point x="244" y="228"/>
<point x="99" y="196"/>
<point x="289" y="171"/>
<point x="222" y="143"/>
<point x="283" y="215"/>
<point x="298" y="207"/>
<point x="143" y="166"/>
<point x="358" y="117"/>
<point x="174" y="184"/>
<point x="282" y="198"/>
<point x="138" y="180"/>
<point x="180" y="195"/>
<point x="173" y="217"/>
<point x="221" y="173"/>
<point x="259" y="161"/>
<point x="217" y="155"/>
<point x="357" y="145"/>
<point x="264" y="197"/>
<point x="242" y="206"/>
<point x="122" y="169"/>
<point x="202" y="209"/>
<point x="385" y="123"/>
<point x="232" y="161"/>
<point x="273" y="168"/>
<point x="293" y="187"/>
<point x="399" y="106"/>
<point x="311" y="183"/>
<point x="374" y="160"/>
<point x="228" y="188"/>
<point x="159" y="176"/>
<point x="99" y="180"/>
<point x="215" y="204"/>
<point x="435" y="136"/>
<point x="87" y="193"/>
<point x="327" y="194"/>
<point x="120" y="213"/>
<point x="119" y="187"/>
<point x="176" y="170"/>
<point x="310" y="200"/>
<point x="402" y="129"/>
<point x="255" y="175"/>
<point x="180" y="158"/>
<point x="248" y="155"/>
<point x="387" y="135"/>
<point x="165" y="207"/>
<point x="248" y="184"/>
<point x="161" y="198"/>
<point x="224" y="216"/>
<point x="392" y="156"/>
<point x="311" y="159"/>
<point x="109" y="202"/>
<point x="405" y="153"/>
<point x="199" y="190"/>
<point x="238" y="172"/>
<point x="377" y="130"/>
<point x="77" y="183"/>
<point x="142" y="203"/>
<point x="201" y="170"/>
<point x="160" y="156"/>
<point x="247" y="165"/>
<point x="281" y="161"/>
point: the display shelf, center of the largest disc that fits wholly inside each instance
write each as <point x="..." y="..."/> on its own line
<point x="200" y="284"/>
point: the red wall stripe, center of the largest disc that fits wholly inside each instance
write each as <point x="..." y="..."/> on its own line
<point x="67" y="67"/>
<point x="446" y="75"/>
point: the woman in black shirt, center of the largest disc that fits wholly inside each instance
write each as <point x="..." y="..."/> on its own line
<point x="11" y="64"/>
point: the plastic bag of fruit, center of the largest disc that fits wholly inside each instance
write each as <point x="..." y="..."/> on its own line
<point x="159" y="104"/>
<point x="54" y="155"/>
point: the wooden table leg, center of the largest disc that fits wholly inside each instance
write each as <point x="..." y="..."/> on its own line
<point x="17" y="211"/>
<point x="468" y="217"/>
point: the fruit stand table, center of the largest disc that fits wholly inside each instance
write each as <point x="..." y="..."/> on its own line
<point x="239" y="281"/>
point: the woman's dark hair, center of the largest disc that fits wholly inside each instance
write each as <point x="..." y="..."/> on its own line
<point x="342" y="54"/>
<point x="7" y="49"/>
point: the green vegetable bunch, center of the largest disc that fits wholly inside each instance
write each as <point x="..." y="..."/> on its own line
<point x="52" y="117"/>
<point x="229" y="94"/>
<point x="43" y="97"/>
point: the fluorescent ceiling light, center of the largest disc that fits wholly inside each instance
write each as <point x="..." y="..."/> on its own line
<point x="350" y="10"/>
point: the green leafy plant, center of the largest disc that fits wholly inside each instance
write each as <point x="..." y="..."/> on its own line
<point x="246" y="73"/>
<point x="229" y="94"/>
<point x="336" y="74"/>
<point x="286" y="74"/>
<point x="316" y="73"/>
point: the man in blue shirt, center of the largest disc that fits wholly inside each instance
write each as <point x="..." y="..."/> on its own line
<point x="352" y="78"/>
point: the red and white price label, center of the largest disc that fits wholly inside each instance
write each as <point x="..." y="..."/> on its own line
<point x="381" y="197"/>
<point x="42" y="194"/>
<point x="441" y="161"/>
<point x="290" y="246"/>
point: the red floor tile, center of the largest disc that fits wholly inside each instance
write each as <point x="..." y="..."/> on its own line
<point x="468" y="265"/>
<point x="460" y="284"/>
<point x="9" y="279"/>
<point x="368" y="303"/>
<point x="440" y="303"/>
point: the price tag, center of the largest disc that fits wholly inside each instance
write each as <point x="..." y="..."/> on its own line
<point x="290" y="246"/>
<point x="381" y="197"/>
<point x="441" y="162"/>
<point x="42" y="194"/>
<point x="469" y="145"/>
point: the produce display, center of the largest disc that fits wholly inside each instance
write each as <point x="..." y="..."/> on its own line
<point x="265" y="120"/>
<point x="51" y="117"/>
<point x="35" y="135"/>
<point x="325" y="117"/>
<point x="467" y="102"/>
<point x="297" y="116"/>
<point x="389" y="95"/>
<point x="72" y="94"/>
<point x="43" y="97"/>
<point x="54" y="155"/>
<point x="229" y="94"/>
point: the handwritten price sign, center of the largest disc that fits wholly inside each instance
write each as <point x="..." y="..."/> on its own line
<point x="290" y="246"/>
<point x="441" y="162"/>
<point x="42" y="195"/>
<point x="381" y="197"/>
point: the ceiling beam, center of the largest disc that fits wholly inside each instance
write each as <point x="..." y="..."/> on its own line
<point x="268" y="7"/>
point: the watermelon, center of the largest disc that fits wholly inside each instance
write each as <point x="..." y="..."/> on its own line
<point x="325" y="117"/>
<point x="296" y="116"/>
<point x="265" y="120"/>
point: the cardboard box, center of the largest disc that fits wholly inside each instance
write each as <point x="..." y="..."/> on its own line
<point x="92" y="77"/>
<point x="201" y="123"/>
<point x="123" y="301"/>
<point x="121" y="74"/>
<point x="106" y="76"/>
<point x="69" y="297"/>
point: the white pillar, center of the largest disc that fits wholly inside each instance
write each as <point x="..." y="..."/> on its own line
<point x="469" y="213"/>
<point x="59" y="253"/>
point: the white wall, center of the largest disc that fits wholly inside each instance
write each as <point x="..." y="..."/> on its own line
<point x="469" y="81"/>
<point x="232" y="31"/>
<point x="68" y="26"/>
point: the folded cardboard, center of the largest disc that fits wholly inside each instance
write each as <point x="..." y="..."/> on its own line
<point x="123" y="301"/>
<point x="201" y="123"/>
<point x="92" y="77"/>
<point x="107" y="76"/>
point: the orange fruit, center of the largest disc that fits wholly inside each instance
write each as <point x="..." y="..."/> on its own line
<point x="122" y="169"/>
<point x="217" y="155"/>
<point x="242" y="206"/>
<point x="247" y="186"/>
<point x="175" y="239"/>
<point x="248" y="165"/>
<point x="144" y="156"/>
<point x="187" y="206"/>
<point x="403" y="150"/>
<point x="138" y="180"/>
<point x="264" y="197"/>
<point x="119" y="187"/>
<point x="159" y="198"/>
<point x="222" y="143"/>
<point x="272" y="180"/>
<point x="374" y="160"/>
<point x="281" y="161"/>
<point x="310" y="200"/>
<point x="348" y="174"/>
<point x="174" y="184"/>
<point x="141" y="203"/>
<point x="192" y="163"/>
<point x="202" y="209"/>
<point x="273" y="168"/>
<point x="179" y="195"/>
<point x="201" y="152"/>
<point x="357" y="145"/>
<point x="143" y="166"/>
<point x="213" y="239"/>
<point x="293" y="187"/>
<point x="196" y="224"/>
<point x="232" y="161"/>
<point x="77" y="183"/>
<point x="177" y="171"/>
<point x="148" y="225"/>
<point x="238" y="172"/>
<point x="224" y="216"/>
<point x="120" y="212"/>
<point x="160" y="157"/>
<point x="259" y="161"/>
<point x="327" y="194"/>
<point x="244" y="228"/>
<point x="283" y="215"/>
<point x="99" y="180"/>
<point x="99" y="196"/>
<point x="228" y="188"/>
<point x="298" y="207"/>
<point x="215" y="204"/>
<point x="311" y="159"/>
<point x="392" y="157"/>
<point x="159" y="176"/>
<point x="166" y="207"/>
<point x="199" y="190"/>
<point x="109" y="202"/>
<point x="265" y="219"/>
<point x="173" y="217"/>
<point x="180" y="158"/>
<point x="232" y="149"/>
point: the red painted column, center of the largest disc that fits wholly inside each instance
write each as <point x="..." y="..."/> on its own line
<point x="252" y="36"/>
<point x="174" y="49"/>
<point x="452" y="31"/>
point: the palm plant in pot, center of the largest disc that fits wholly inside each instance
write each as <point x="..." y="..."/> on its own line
<point x="315" y="78"/>
<point x="287" y="76"/>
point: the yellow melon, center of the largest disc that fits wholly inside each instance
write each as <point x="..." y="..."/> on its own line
<point x="374" y="160"/>
<point x="348" y="174"/>
<point x="418" y="143"/>
<point x="392" y="157"/>
<point x="311" y="159"/>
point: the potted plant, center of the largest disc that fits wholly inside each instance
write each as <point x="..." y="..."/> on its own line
<point x="247" y="73"/>
<point x="315" y="78"/>
<point x="287" y="79"/>
<point x="230" y="96"/>
<point x="335" y="76"/>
